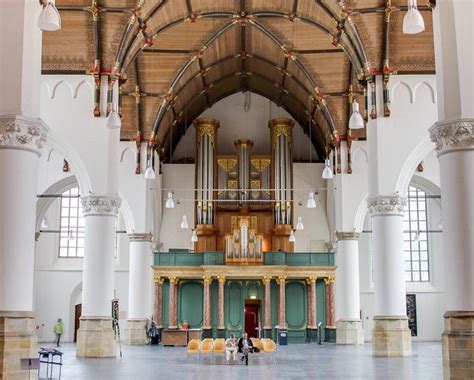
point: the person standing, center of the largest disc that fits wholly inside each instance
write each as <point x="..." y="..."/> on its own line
<point x="230" y="349"/>
<point x="58" y="330"/>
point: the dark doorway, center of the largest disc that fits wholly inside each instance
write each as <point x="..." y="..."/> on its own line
<point x="77" y="317"/>
<point x="252" y="317"/>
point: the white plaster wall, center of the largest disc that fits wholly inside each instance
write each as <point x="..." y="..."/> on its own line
<point x="306" y="178"/>
<point x="177" y="177"/>
<point x="235" y="123"/>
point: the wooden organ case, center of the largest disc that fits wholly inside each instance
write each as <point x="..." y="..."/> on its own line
<point x="243" y="201"/>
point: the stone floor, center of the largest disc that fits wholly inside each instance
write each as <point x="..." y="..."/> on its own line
<point x="297" y="361"/>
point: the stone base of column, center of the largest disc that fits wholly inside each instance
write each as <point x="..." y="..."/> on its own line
<point x="206" y="332"/>
<point x="221" y="333"/>
<point x="391" y="336"/>
<point x="458" y="345"/>
<point x="95" y="338"/>
<point x="267" y="332"/>
<point x="349" y="331"/>
<point x="330" y="334"/>
<point x="311" y="334"/>
<point x="136" y="332"/>
<point x="18" y="340"/>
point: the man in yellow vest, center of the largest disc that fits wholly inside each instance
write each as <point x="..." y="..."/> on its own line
<point x="58" y="330"/>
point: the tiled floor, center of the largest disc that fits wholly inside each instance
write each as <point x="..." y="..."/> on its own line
<point x="297" y="361"/>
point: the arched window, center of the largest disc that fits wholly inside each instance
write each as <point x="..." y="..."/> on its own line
<point x="71" y="227"/>
<point x="416" y="237"/>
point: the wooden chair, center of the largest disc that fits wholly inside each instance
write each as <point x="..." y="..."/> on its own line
<point x="194" y="348"/>
<point x="219" y="348"/>
<point x="207" y="346"/>
<point x="269" y="347"/>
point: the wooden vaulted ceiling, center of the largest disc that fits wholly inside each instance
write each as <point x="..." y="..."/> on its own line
<point x="175" y="58"/>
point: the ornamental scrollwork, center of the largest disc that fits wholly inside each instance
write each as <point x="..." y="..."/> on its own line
<point x="100" y="205"/>
<point x="453" y="135"/>
<point x="387" y="205"/>
<point x="22" y="133"/>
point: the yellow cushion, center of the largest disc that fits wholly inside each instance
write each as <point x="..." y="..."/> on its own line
<point x="268" y="345"/>
<point x="219" y="345"/>
<point x="194" y="346"/>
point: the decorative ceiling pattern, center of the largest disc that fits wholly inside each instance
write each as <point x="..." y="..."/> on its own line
<point x="173" y="59"/>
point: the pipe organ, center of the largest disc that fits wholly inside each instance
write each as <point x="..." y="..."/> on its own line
<point x="243" y="201"/>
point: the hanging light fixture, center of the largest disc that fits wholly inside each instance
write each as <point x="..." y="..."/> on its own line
<point x="416" y="238"/>
<point x="299" y="224"/>
<point x="44" y="223"/>
<point x="169" y="201"/>
<point x="184" y="223"/>
<point x="292" y="237"/>
<point x="70" y="235"/>
<point x="194" y="237"/>
<point x="413" y="22"/>
<point x="150" y="173"/>
<point x="327" y="172"/>
<point x="49" y="19"/>
<point x="311" y="202"/>
<point x="114" y="121"/>
<point x="356" y="120"/>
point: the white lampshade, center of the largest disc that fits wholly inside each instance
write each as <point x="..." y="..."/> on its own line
<point x="44" y="223"/>
<point x="327" y="172"/>
<point x="413" y="22"/>
<point x="114" y="121"/>
<point x="299" y="224"/>
<point x="311" y="203"/>
<point x="49" y="19"/>
<point x="184" y="223"/>
<point x="416" y="238"/>
<point x="356" y="121"/>
<point x="70" y="235"/>
<point x="170" y="201"/>
<point x="149" y="173"/>
<point x="194" y="237"/>
<point x="292" y="237"/>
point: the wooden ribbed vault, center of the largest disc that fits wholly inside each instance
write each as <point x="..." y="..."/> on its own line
<point x="175" y="58"/>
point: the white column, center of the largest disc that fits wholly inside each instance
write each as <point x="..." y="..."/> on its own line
<point x="348" y="325"/>
<point x="454" y="138"/>
<point x="95" y="336"/>
<point x="22" y="135"/>
<point x="138" y="288"/>
<point x="390" y="336"/>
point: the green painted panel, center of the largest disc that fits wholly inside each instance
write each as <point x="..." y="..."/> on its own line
<point x="190" y="303"/>
<point x="296" y="309"/>
<point x="321" y="304"/>
<point x="166" y="302"/>
<point x="213" y="258"/>
<point x="235" y="307"/>
<point x="274" y="258"/>
<point x="252" y="290"/>
<point x="297" y="336"/>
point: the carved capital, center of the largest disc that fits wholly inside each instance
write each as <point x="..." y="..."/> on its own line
<point x="21" y="132"/>
<point x="266" y="279"/>
<point x="387" y="205"/>
<point x="311" y="280"/>
<point x="106" y="205"/>
<point x="158" y="280"/>
<point x="453" y="135"/>
<point x="329" y="280"/>
<point x="207" y="279"/>
<point x="281" y="280"/>
<point x="173" y="279"/>
<point x="347" y="235"/>
<point x="146" y="237"/>
<point x="221" y="279"/>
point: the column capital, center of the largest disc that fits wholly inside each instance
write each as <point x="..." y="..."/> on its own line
<point x="145" y="237"/>
<point x="453" y="135"/>
<point x="100" y="205"/>
<point x="22" y="132"/>
<point x="386" y="205"/>
<point x="173" y="279"/>
<point x="281" y="279"/>
<point x="221" y="279"/>
<point x="329" y="280"/>
<point x="266" y="279"/>
<point x="311" y="280"/>
<point x="207" y="279"/>
<point x="352" y="235"/>
<point x="158" y="279"/>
